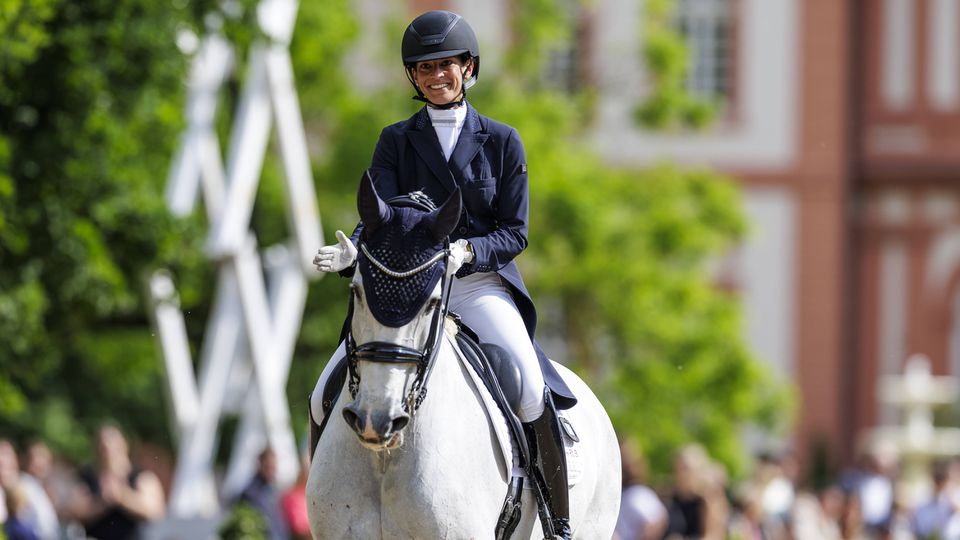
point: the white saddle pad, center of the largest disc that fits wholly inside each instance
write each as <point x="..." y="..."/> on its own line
<point x="499" y="426"/>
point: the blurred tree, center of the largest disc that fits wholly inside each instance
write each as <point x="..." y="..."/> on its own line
<point x="619" y="263"/>
<point x="90" y="106"/>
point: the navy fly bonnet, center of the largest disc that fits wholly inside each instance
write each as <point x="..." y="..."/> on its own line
<point x="402" y="251"/>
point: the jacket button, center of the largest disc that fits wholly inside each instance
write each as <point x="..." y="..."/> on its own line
<point x="463" y="230"/>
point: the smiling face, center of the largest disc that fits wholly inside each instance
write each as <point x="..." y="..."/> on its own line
<point x="441" y="80"/>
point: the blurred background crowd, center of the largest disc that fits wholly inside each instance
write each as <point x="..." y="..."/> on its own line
<point x="46" y="497"/>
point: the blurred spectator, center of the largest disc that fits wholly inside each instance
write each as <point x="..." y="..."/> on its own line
<point x="113" y="501"/>
<point x="36" y="512"/>
<point x="872" y="485"/>
<point x="751" y="522"/>
<point x="686" y="506"/>
<point x="293" y="502"/>
<point x="818" y="518"/>
<point x="261" y="494"/>
<point x="38" y="461"/>
<point x="930" y="518"/>
<point x="851" y="519"/>
<point x="642" y="515"/>
<point x="15" y="528"/>
<point x="715" y="496"/>
<point x="776" y="488"/>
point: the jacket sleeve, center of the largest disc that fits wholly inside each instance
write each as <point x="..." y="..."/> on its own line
<point x="511" y="208"/>
<point x="383" y="171"/>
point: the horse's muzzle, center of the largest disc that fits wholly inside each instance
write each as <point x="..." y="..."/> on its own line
<point x="376" y="429"/>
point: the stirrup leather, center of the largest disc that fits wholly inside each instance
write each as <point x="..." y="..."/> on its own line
<point x="547" y="449"/>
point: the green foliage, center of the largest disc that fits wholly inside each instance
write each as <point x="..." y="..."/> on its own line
<point x="542" y="26"/>
<point x="666" y="56"/>
<point x="90" y="108"/>
<point x="244" y="523"/>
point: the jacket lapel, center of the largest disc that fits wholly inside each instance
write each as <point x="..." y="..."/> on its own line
<point x="425" y="143"/>
<point x="468" y="144"/>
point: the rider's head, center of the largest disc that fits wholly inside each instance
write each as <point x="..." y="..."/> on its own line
<point x="441" y="57"/>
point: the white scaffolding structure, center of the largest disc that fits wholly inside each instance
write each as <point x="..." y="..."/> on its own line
<point x="259" y="300"/>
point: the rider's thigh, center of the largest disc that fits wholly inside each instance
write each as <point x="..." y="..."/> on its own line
<point x="487" y="307"/>
<point x="316" y="398"/>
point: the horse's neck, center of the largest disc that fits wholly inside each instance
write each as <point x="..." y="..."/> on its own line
<point x="452" y="407"/>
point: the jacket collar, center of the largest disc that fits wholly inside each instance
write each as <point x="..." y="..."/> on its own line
<point x="422" y="136"/>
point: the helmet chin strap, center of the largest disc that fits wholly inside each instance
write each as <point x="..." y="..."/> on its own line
<point x="452" y="104"/>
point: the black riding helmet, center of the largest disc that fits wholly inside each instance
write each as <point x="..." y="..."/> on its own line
<point x="439" y="34"/>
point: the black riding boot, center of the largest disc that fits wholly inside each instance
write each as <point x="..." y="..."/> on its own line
<point x="546" y="443"/>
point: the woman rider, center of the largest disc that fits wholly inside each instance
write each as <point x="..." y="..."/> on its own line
<point x="446" y="145"/>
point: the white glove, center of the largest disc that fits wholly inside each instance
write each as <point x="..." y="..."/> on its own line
<point x="461" y="252"/>
<point x="336" y="257"/>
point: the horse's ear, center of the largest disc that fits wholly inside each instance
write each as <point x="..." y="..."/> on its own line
<point x="373" y="211"/>
<point x="448" y="215"/>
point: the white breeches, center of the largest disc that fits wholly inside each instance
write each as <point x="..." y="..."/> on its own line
<point x="485" y="305"/>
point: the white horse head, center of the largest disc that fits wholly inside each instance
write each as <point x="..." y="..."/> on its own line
<point x="396" y="330"/>
<point x="407" y="464"/>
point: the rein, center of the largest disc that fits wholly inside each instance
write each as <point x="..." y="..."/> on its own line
<point x="391" y="353"/>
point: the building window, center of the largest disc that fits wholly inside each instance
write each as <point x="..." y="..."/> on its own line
<point x="564" y="58"/>
<point x="708" y="26"/>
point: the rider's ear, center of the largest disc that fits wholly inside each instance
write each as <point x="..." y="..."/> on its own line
<point x="448" y="216"/>
<point x="373" y="211"/>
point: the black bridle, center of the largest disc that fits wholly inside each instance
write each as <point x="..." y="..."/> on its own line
<point x="391" y="353"/>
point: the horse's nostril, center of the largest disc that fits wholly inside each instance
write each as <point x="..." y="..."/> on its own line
<point x="352" y="418"/>
<point x="399" y="423"/>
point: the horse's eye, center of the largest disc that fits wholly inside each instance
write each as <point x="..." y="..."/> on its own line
<point x="356" y="293"/>
<point x="434" y="304"/>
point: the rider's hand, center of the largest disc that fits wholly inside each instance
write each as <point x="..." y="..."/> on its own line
<point x="336" y="257"/>
<point x="461" y="252"/>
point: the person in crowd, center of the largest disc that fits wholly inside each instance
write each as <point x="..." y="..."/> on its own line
<point x="749" y="521"/>
<point x="873" y="486"/>
<point x="817" y="517"/>
<point x="36" y="512"/>
<point x="776" y="488"/>
<point x="852" y="525"/>
<point x="293" y="502"/>
<point x="17" y="506"/>
<point x="642" y="516"/>
<point x="261" y="494"/>
<point x="930" y="518"/>
<point x="38" y="462"/>
<point x="717" y="503"/>
<point x="686" y="506"/>
<point x="115" y="499"/>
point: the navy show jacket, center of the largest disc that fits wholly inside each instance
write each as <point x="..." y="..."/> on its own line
<point x="489" y="165"/>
